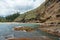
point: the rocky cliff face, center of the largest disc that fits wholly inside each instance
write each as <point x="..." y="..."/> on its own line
<point x="52" y="11"/>
<point x="48" y="12"/>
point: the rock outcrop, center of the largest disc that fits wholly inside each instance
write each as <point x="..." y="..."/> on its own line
<point x="47" y="12"/>
<point x="24" y="29"/>
<point x="53" y="11"/>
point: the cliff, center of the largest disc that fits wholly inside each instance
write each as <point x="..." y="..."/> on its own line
<point x="47" y="12"/>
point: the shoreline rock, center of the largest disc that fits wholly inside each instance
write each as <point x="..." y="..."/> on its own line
<point x="51" y="31"/>
<point x="25" y="29"/>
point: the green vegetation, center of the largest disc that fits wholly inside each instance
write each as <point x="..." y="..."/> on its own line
<point x="41" y="14"/>
<point x="9" y="18"/>
<point x="32" y="16"/>
<point x="2" y="19"/>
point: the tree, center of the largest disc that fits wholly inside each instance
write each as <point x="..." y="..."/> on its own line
<point x="11" y="18"/>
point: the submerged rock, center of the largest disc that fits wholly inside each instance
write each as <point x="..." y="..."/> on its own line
<point x="24" y="29"/>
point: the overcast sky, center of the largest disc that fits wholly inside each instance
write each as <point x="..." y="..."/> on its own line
<point x="8" y="7"/>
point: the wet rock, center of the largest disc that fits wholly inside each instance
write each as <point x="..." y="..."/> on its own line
<point x="24" y="29"/>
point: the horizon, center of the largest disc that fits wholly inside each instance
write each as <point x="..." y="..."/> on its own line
<point x="8" y="7"/>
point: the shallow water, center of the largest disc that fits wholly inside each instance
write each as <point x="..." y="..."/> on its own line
<point x="6" y="31"/>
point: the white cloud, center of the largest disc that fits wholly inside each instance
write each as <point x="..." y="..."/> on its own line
<point x="10" y="6"/>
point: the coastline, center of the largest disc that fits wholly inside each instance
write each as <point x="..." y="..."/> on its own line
<point x="19" y="23"/>
<point x="52" y="30"/>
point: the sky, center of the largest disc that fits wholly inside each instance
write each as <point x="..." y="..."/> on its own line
<point x="8" y="7"/>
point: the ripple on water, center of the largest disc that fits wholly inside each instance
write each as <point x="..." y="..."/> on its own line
<point x="7" y="32"/>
